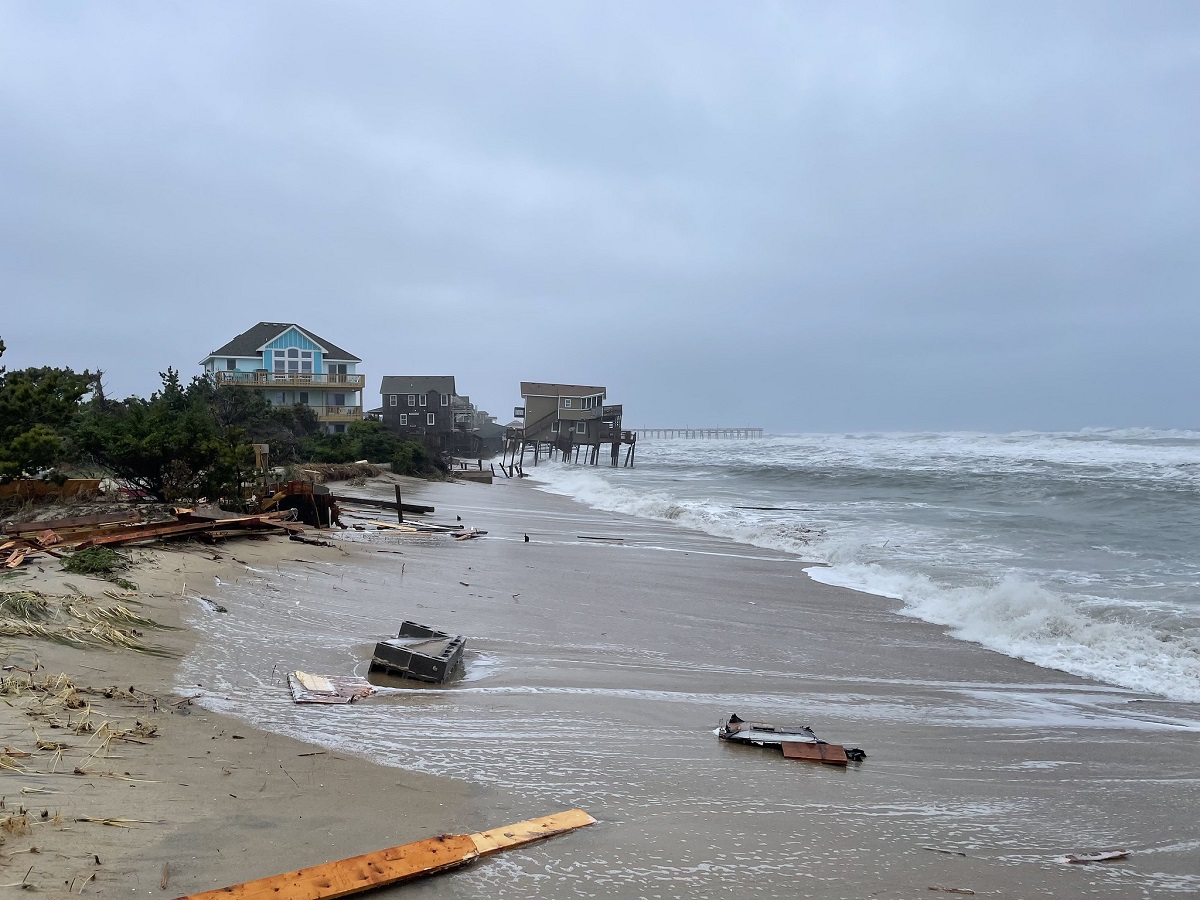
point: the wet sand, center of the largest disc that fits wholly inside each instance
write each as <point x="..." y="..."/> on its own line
<point x="599" y="669"/>
<point x="597" y="672"/>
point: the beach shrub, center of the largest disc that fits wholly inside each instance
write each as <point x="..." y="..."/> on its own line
<point x="100" y="562"/>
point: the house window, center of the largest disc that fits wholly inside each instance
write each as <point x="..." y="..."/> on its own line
<point x="403" y="418"/>
<point x="339" y="428"/>
<point x="394" y="399"/>
<point x="581" y="427"/>
<point x="423" y="399"/>
<point x="431" y="418"/>
<point x="412" y="399"/>
<point x="297" y="361"/>
<point x="554" y="427"/>
<point x="280" y="362"/>
<point x="445" y="399"/>
<point x="303" y="398"/>
<point x="230" y="364"/>
<point x="280" y="399"/>
<point x="567" y="402"/>
<point x="339" y="399"/>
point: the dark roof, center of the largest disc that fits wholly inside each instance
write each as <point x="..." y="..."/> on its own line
<point x="248" y="342"/>
<point x="417" y="384"/>
<point x="552" y="389"/>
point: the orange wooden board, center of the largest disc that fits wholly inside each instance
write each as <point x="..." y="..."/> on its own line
<point x="383" y="867"/>
<point x="358" y="873"/>
<point x="834" y="754"/>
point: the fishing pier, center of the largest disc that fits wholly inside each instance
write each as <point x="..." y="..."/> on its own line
<point x="719" y="434"/>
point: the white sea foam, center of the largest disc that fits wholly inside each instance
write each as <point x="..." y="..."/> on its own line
<point x="1025" y="620"/>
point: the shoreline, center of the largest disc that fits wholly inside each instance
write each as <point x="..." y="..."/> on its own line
<point x="905" y="716"/>
<point x="193" y="797"/>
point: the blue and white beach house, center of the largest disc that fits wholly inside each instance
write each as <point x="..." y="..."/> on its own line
<point x="289" y="364"/>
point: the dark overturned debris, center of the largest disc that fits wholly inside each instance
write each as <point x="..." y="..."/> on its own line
<point x="796" y="741"/>
<point x="419" y="652"/>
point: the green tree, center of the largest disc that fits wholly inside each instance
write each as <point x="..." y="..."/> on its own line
<point x="37" y="407"/>
<point x="170" y="445"/>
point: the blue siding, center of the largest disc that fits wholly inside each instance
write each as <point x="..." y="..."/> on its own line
<point x="293" y="338"/>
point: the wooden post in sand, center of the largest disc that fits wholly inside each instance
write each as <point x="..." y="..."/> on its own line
<point x="399" y="507"/>
<point x="373" y="870"/>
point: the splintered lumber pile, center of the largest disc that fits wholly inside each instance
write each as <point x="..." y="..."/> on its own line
<point x="22" y="541"/>
<point x="384" y="867"/>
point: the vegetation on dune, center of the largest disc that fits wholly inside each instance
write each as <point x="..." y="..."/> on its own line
<point x="37" y="408"/>
<point x="100" y="562"/>
<point x="186" y="441"/>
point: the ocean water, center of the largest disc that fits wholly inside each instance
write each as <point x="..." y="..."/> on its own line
<point x="1075" y="551"/>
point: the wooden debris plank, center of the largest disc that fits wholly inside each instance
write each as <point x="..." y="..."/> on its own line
<point x="396" y="864"/>
<point x="15" y="558"/>
<point x="160" y="530"/>
<point x="489" y="842"/>
<point x="358" y="873"/>
<point x="110" y="518"/>
<point x="382" y="504"/>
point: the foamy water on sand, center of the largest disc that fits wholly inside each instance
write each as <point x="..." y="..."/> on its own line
<point x="598" y="671"/>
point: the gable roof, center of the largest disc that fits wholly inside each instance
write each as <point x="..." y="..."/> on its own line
<point x="249" y="342"/>
<point x="417" y="384"/>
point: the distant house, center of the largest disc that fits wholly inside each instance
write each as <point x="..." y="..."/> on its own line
<point x="288" y="364"/>
<point x="419" y="404"/>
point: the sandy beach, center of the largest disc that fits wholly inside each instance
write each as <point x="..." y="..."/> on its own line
<point x="602" y="653"/>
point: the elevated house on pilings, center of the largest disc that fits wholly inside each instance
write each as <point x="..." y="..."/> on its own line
<point x="568" y="420"/>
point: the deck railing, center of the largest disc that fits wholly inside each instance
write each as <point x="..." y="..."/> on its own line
<point x="292" y="379"/>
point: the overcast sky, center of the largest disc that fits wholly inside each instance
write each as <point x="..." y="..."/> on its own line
<point x="805" y="216"/>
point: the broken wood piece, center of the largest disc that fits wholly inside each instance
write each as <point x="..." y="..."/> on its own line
<point x="1102" y="856"/>
<point x="596" y="537"/>
<point x="947" y="852"/>
<point x="949" y="890"/>
<point x="344" y="877"/>
<point x="382" y="504"/>
<point x="489" y="842"/>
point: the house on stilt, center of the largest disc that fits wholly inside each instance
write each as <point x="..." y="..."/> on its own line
<point x="568" y="421"/>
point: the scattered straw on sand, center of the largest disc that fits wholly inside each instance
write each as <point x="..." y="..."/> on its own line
<point x="74" y="620"/>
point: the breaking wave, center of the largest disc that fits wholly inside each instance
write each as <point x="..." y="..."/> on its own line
<point x="1077" y="552"/>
